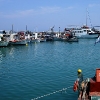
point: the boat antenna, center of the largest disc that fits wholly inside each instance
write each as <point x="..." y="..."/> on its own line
<point x="86" y="17"/>
<point x="89" y="18"/>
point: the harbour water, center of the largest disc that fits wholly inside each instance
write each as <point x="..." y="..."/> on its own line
<point x="28" y="72"/>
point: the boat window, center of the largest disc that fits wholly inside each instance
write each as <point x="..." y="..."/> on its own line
<point x="84" y="30"/>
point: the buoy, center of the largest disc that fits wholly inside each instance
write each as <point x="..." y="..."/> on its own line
<point x="26" y="44"/>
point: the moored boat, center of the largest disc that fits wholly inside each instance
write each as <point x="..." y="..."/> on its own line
<point x="17" y="39"/>
<point x="69" y="37"/>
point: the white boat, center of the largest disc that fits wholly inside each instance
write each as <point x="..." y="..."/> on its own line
<point x="3" y="41"/>
<point x="84" y="32"/>
<point x="34" y="38"/>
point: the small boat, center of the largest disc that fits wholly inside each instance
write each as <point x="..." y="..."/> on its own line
<point x="90" y="87"/>
<point x="70" y="38"/>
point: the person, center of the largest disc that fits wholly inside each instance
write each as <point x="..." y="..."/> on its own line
<point x="77" y="83"/>
<point x="80" y="75"/>
<point x="80" y="80"/>
<point x="82" y="85"/>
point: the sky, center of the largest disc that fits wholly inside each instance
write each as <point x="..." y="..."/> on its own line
<point x="41" y="15"/>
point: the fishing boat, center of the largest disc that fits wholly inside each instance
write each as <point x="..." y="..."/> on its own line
<point x="90" y="87"/>
<point x="69" y="37"/>
<point x="17" y="39"/>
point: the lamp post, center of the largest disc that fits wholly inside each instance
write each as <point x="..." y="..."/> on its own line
<point x="26" y="28"/>
<point x="59" y="30"/>
<point x="12" y="28"/>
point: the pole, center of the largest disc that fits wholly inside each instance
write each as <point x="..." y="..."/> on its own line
<point x="12" y="28"/>
<point x="26" y="28"/>
<point x="86" y="17"/>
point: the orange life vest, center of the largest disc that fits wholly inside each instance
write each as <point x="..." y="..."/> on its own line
<point x="75" y="86"/>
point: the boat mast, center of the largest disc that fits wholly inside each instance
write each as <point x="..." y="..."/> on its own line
<point x="86" y="17"/>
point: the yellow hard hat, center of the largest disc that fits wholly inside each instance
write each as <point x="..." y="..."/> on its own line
<point x="79" y="70"/>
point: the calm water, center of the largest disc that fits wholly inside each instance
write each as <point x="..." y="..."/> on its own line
<point x="27" y="72"/>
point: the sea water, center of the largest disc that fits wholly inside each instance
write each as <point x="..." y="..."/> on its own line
<point x="39" y="70"/>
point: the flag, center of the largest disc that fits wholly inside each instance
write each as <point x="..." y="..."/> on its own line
<point x="97" y="40"/>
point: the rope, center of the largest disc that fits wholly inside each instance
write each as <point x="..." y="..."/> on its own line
<point x="52" y="93"/>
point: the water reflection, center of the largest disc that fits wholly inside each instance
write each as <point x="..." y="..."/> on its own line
<point x="2" y="54"/>
<point x="9" y="58"/>
<point x="3" y="69"/>
<point x="9" y="52"/>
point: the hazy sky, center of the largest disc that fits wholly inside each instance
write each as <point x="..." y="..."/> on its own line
<point x="40" y="15"/>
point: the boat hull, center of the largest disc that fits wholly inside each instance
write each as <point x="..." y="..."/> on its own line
<point x="74" y="39"/>
<point x="20" y="42"/>
<point x="57" y="39"/>
<point x="87" y="36"/>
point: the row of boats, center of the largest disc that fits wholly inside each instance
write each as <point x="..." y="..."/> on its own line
<point x="24" y="37"/>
